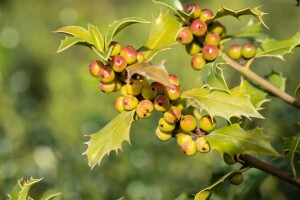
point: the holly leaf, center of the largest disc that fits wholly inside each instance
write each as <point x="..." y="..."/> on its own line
<point x="223" y="104"/>
<point x="156" y="72"/>
<point x="291" y="145"/>
<point x="277" y="48"/>
<point x="257" y="96"/>
<point x="109" y="138"/>
<point x="237" y="13"/>
<point x="176" y="6"/>
<point x="234" y="141"/>
<point x="76" y="31"/>
<point x="117" y="26"/>
<point x="277" y="80"/>
<point x="252" y="30"/>
<point x="164" y="31"/>
<point x="212" y="76"/>
<point x="96" y="37"/>
<point x="68" y="42"/>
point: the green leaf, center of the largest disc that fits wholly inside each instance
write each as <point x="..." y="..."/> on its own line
<point x="176" y="6"/>
<point x="52" y="196"/>
<point x="291" y="145"/>
<point x="68" y="42"/>
<point x="277" y="80"/>
<point x="20" y="191"/>
<point x="218" y="103"/>
<point x="212" y="76"/>
<point x="96" y="37"/>
<point x="117" y="26"/>
<point x="252" y="30"/>
<point x="278" y="48"/>
<point x="164" y="31"/>
<point x="109" y="138"/>
<point x="233" y="140"/>
<point x="156" y="72"/>
<point x="257" y="96"/>
<point x="203" y="195"/>
<point x="76" y="31"/>
<point x="237" y="13"/>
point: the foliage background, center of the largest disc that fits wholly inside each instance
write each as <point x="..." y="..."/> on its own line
<point x="49" y="102"/>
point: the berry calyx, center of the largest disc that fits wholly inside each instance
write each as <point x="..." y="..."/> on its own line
<point x="95" y="67"/>
<point x="129" y="53"/>
<point x="189" y="148"/>
<point x="234" y="52"/>
<point x="144" y="109"/>
<point x="188" y="123"/>
<point x="198" y="27"/>
<point x="198" y="62"/>
<point x="207" y="123"/>
<point x="106" y="74"/>
<point x="185" y="36"/>
<point x="209" y="52"/>
<point x="165" y="126"/>
<point x="161" y="103"/>
<point x="129" y="102"/>
<point x="195" y="9"/>
<point x="248" y="51"/>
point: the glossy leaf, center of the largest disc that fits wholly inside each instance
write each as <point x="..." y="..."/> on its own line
<point x="156" y="72"/>
<point x="96" y="37"/>
<point x="176" y="6"/>
<point x="212" y="76"/>
<point x="291" y="145"/>
<point x="109" y="138"/>
<point x="223" y="104"/>
<point x="163" y="33"/>
<point x="76" y="31"/>
<point x="277" y="80"/>
<point x="117" y="26"/>
<point x="234" y="141"/>
<point x="254" y="30"/>
<point x="68" y="42"/>
<point x="278" y="48"/>
<point x="237" y="13"/>
<point x="257" y="96"/>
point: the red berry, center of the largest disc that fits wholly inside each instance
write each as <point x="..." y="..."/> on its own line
<point x="129" y="53"/>
<point x="206" y="14"/>
<point x="198" y="27"/>
<point x="234" y="52"/>
<point x="196" y="10"/>
<point x="185" y="36"/>
<point x="209" y="52"/>
<point x="95" y="67"/>
<point x="118" y="63"/>
<point x="106" y="74"/>
<point x="198" y="61"/>
<point x="213" y="39"/>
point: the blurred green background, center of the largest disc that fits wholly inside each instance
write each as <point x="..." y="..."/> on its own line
<point x="49" y="102"/>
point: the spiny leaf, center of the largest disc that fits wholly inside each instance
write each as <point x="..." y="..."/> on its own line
<point x="234" y="141"/>
<point x="223" y="104"/>
<point x="164" y="31"/>
<point x="109" y="138"/>
<point x="96" y="37"/>
<point x="257" y="96"/>
<point x="237" y="13"/>
<point x="104" y="55"/>
<point x="68" y="42"/>
<point x="212" y="76"/>
<point x="117" y="26"/>
<point x="176" y="6"/>
<point x="76" y="31"/>
<point x="20" y="192"/>
<point x="277" y="80"/>
<point x="291" y="145"/>
<point x="155" y="72"/>
<point x="278" y="48"/>
<point x="252" y="30"/>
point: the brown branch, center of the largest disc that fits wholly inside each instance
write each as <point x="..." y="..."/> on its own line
<point x="258" y="164"/>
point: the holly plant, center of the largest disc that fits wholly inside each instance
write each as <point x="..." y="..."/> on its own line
<point x="190" y="117"/>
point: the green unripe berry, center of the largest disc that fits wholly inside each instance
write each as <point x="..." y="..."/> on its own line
<point x="209" y="52"/>
<point x="116" y="48"/>
<point x="182" y="138"/>
<point x="193" y="48"/>
<point x="163" y="136"/>
<point x="188" y="123"/>
<point x="185" y="36"/>
<point x="236" y="178"/>
<point x="212" y="39"/>
<point x="172" y="92"/>
<point x="159" y="87"/>
<point x="106" y="74"/>
<point x="234" y="52"/>
<point x="129" y="102"/>
<point x="229" y="160"/>
<point x="118" y="63"/>
<point x="95" y="67"/>
<point x="172" y="115"/>
<point x="198" y="27"/>
<point x="149" y="92"/>
<point x="207" y="123"/>
<point x="134" y="87"/>
<point x="174" y="80"/>
<point x="189" y="148"/>
<point x="206" y="14"/>
<point x="195" y="9"/>
<point x="198" y="62"/>
<point x="161" y="103"/>
<point x="129" y="53"/>
<point x="107" y="87"/>
<point x="217" y="27"/>
<point x="119" y="104"/>
<point x="248" y="51"/>
<point x="202" y="145"/>
<point x="144" y="109"/>
<point x="165" y="126"/>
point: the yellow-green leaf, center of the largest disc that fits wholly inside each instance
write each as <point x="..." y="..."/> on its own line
<point x="233" y="140"/>
<point x="109" y="138"/>
<point x="68" y="42"/>
<point x="291" y="145"/>
<point x="277" y="80"/>
<point x="176" y="6"/>
<point x="96" y="37"/>
<point x="254" y="30"/>
<point x="76" y="31"/>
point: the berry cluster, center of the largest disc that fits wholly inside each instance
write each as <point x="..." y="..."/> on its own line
<point x="202" y="36"/>
<point x="247" y="51"/>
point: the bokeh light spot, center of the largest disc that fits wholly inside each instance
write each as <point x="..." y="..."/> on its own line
<point x="9" y="38"/>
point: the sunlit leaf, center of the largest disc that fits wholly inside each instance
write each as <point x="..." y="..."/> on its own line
<point x="291" y="145"/>
<point x="163" y="33"/>
<point x="156" y="72"/>
<point x="109" y="138"/>
<point x="234" y="141"/>
<point x="76" y="31"/>
<point x="117" y="26"/>
<point x="237" y="13"/>
<point x="277" y="80"/>
<point x="176" y="6"/>
<point x="68" y="42"/>
<point x="203" y="195"/>
<point x="96" y="37"/>
<point x="257" y="96"/>
<point x="254" y="30"/>
<point x="22" y="192"/>
<point x="278" y="48"/>
<point x="223" y="104"/>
